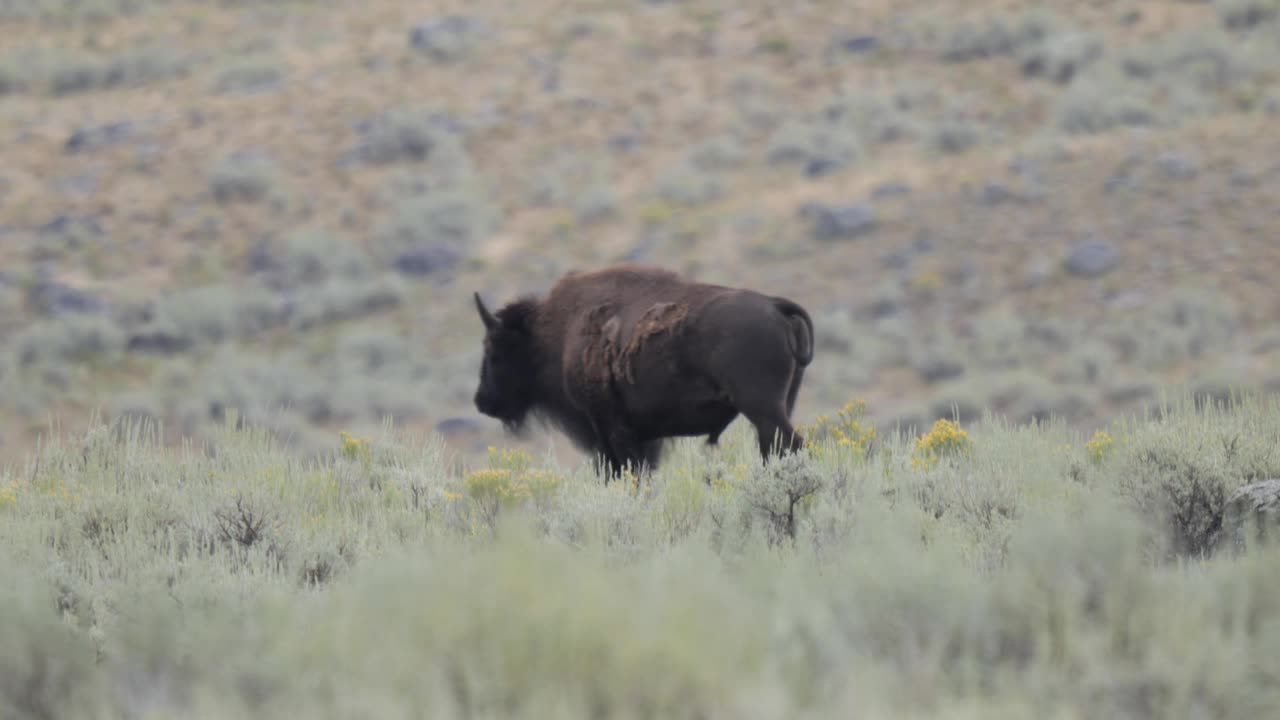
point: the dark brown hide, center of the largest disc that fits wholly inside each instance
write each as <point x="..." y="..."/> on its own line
<point x="622" y="358"/>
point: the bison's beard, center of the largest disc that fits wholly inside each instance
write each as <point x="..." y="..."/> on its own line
<point x="517" y="425"/>
<point x="516" y="428"/>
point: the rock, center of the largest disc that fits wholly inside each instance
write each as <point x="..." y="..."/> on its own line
<point x="956" y="137"/>
<point x="1037" y="272"/>
<point x="81" y="184"/>
<point x="1243" y="179"/>
<point x="1067" y="404"/>
<point x="1176" y="166"/>
<point x="840" y="222"/>
<point x="1120" y="181"/>
<point x="857" y="44"/>
<point x="1251" y="514"/>
<point x="1243" y="16"/>
<point x="70" y="226"/>
<point x="996" y="194"/>
<point x="623" y="143"/>
<point x="249" y="78"/>
<point x="98" y="137"/>
<point x="1091" y="259"/>
<point x="1126" y="299"/>
<point x="964" y="410"/>
<point x="881" y="308"/>
<point x="924" y="242"/>
<point x="937" y="369"/>
<point x="157" y="342"/>
<point x="1129" y="392"/>
<point x="426" y="261"/>
<point x="888" y="190"/>
<point x="51" y="297"/>
<point x="448" y="38"/>
<point x="1061" y="57"/>
<point x="453" y="426"/>
<point x="260" y="259"/>
<point x="242" y="177"/>
<point x="820" y="166"/>
<point x="896" y="259"/>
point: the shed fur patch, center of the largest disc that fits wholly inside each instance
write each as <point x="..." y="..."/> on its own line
<point x="657" y="319"/>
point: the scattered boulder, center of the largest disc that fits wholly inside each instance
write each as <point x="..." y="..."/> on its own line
<point x="1130" y="392"/>
<point x="896" y="259"/>
<point x="242" y="177"/>
<point x="80" y="184"/>
<point x="50" y="297"/>
<point x="962" y="409"/>
<point x="1037" y="272"/>
<point x="939" y="369"/>
<point x="249" y="77"/>
<point x="399" y="137"/>
<point x="99" y="137"/>
<point x="857" y="44"/>
<point x="1243" y="16"/>
<point x="426" y="261"/>
<point x="65" y="223"/>
<point x="454" y="426"/>
<point x="890" y="189"/>
<point x="1091" y="259"/>
<point x="158" y="341"/>
<point x="449" y="38"/>
<point x="1059" y="59"/>
<point x="66" y="233"/>
<point x="1251" y="514"/>
<point x="624" y="143"/>
<point x="840" y="222"/>
<point x="996" y="194"/>
<point x="1176" y="166"/>
<point x="822" y="166"/>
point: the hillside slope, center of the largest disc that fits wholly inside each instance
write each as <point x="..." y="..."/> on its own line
<point x="281" y="209"/>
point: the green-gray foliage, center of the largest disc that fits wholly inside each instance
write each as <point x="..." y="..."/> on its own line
<point x="66" y="71"/>
<point x="1170" y="80"/>
<point x="241" y="580"/>
<point x="242" y="178"/>
<point x="1179" y="468"/>
<point x="68" y="339"/>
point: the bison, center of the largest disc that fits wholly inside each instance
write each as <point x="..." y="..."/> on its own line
<point x="620" y="359"/>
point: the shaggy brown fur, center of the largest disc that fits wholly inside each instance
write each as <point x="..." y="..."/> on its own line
<point x="621" y="358"/>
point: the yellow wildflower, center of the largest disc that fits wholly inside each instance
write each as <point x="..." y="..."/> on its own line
<point x="945" y="438"/>
<point x="1100" y="446"/>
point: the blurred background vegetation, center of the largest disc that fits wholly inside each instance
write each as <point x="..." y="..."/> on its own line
<point x="282" y="208"/>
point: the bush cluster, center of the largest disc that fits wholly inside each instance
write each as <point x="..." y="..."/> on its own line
<point x="239" y="579"/>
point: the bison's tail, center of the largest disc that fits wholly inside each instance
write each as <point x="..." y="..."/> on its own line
<point x="802" y="338"/>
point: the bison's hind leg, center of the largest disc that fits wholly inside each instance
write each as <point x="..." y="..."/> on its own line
<point x="793" y="391"/>
<point x="774" y="431"/>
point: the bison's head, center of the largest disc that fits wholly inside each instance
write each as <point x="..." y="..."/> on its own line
<point x="507" y="372"/>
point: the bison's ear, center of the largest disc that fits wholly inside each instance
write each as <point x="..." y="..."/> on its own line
<point x="489" y="320"/>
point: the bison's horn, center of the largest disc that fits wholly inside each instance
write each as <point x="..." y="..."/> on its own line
<point x="485" y="315"/>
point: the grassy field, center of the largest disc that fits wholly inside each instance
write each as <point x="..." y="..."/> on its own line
<point x="983" y="571"/>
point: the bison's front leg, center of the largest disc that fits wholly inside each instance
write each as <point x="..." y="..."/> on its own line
<point x="631" y="452"/>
